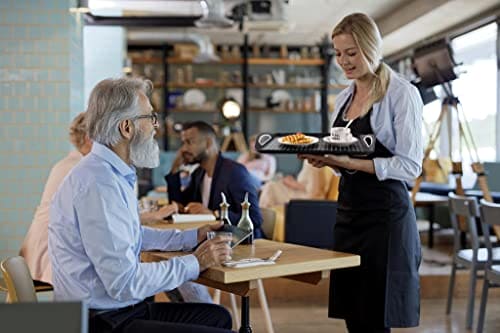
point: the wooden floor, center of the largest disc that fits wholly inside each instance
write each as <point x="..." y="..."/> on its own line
<point x="300" y="319"/>
<point x="297" y="307"/>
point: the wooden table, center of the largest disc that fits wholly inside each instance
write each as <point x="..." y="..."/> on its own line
<point x="297" y="262"/>
<point x="180" y="226"/>
<point x="430" y="201"/>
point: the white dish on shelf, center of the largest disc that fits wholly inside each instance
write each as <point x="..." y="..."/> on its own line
<point x="329" y="139"/>
<point x="312" y="138"/>
<point x="280" y="96"/>
<point x="194" y="97"/>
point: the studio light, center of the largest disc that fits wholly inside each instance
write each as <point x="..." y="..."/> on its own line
<point x="230" y="109"/>
<point x="434" y="63"/>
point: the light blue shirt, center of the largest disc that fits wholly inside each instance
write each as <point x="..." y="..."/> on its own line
<point x="396" y="121"/>
<point x="95" y="238"/>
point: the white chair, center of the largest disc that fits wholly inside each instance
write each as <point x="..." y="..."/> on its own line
<point x="20" y="287"/>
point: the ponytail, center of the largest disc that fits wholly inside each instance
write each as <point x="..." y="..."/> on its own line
<point x="381" y="80"/>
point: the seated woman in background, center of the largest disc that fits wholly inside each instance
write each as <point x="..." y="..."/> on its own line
<point x="34" y="248"/>
<point x="261" y="166"/>
<point x="311" y="183"/>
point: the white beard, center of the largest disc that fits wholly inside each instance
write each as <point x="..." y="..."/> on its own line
<point x="144" y="152"/>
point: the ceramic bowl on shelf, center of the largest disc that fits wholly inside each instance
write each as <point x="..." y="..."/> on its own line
<point x="280" y="96"/>
<point x="194" y="97"/>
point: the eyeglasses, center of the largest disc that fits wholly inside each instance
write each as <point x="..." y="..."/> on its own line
<point x="153" y="116"/>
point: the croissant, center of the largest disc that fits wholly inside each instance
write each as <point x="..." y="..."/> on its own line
<point x="297" y="138"/>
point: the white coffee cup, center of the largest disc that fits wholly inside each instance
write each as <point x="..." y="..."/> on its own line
<point x="340" y="134"/>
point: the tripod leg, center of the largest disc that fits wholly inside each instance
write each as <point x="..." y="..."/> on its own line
<point x="240" y="143"/>
<point x="225" y="143"/>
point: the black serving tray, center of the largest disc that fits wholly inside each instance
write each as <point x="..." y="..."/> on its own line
<point x="268" y="143"/>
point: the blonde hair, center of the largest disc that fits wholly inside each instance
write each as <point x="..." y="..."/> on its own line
<point x="367" y="37"/>
<point x="78" y="130"/>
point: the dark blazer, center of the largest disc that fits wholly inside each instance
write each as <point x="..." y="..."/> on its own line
<point x="229" y="177"/>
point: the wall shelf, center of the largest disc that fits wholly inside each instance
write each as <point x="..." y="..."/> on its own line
<point x="194" y="110"/>
<point x="282" y="61"/>
<point x="191" y="110"/>
<point x="204" y="85"/>
<point x="235" y="61"/>
<point x="285" y="86"/>
<point x="251" y="85"/>
<point x="216" y="76"/>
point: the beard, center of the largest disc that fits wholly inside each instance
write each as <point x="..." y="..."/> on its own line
<point x="196" y="159"/>
<point x="144" y="151"/>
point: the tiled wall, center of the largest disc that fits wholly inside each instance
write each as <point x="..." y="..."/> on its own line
<point x="41" y="84"/>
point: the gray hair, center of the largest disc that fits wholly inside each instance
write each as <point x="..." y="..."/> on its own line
<point x="111" y="102"/>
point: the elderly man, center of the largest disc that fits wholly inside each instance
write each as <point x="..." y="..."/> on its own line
<point x="216" y="174"/>
<point x="95" y="236"/>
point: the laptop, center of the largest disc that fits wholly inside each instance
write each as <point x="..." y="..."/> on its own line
<point x="44" y="317"/>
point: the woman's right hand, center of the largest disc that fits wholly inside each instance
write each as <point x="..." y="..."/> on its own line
<point x="320" y="161"/>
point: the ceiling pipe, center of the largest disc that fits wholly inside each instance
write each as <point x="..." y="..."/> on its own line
<point x="206" y="48"/>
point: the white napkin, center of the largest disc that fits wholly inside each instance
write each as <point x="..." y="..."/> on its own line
<point x="182" y="218"/>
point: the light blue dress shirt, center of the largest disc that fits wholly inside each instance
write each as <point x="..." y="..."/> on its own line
<point x="396" y="121"/>
<point x="95" y="238"/>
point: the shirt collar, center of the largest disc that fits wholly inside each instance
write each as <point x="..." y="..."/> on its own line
<point x="127" y="171"/>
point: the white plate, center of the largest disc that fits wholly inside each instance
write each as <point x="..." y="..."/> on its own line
<point x="329" y="139"/>
<point x="314" y="140"/>
<point x="194" y="97"/>
<point x="280" y="96"/>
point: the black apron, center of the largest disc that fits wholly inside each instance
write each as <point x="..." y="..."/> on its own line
<point x="376" y="221"/>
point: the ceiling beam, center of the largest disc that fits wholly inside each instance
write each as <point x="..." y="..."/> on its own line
<point x="406" y="14"/>
<point x="149" y="21"/>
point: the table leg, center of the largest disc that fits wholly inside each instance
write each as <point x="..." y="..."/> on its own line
<point x="245" y="315"/>
<point x="432" y="214"/>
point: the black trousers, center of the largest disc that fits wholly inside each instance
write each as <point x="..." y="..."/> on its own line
<point x="162" y="317"/>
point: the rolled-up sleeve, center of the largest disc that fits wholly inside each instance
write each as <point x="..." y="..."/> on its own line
<point x="406" y="164"/>
<point x="169" y="239"/>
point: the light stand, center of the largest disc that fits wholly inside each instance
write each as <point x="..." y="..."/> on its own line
<point x="231" y="112"/>
<point x="435" y="65"/>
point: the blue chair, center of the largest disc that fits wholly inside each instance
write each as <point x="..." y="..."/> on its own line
<point x="310" y="222"/>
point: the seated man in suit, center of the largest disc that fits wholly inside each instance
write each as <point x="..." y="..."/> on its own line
<point x="95" y="236"/>
<point x="215" y="174"/>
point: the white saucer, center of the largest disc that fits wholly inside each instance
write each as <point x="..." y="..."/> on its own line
<point x="329" y="139"/>
<point x="314" y="140"/>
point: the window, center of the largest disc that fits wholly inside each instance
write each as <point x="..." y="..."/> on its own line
<point x="476" y="88"/>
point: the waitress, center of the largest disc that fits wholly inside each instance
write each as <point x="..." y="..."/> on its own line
<point x="375" y="218"/>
